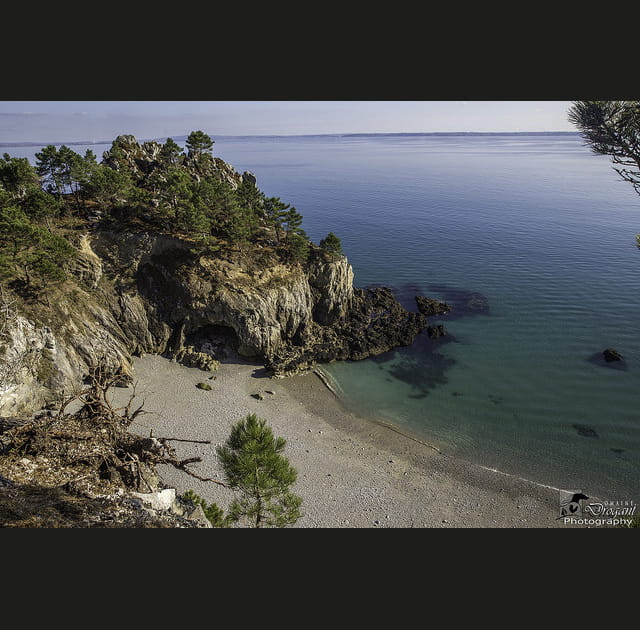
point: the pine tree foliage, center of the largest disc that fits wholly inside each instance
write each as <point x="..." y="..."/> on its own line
<point x="612" y="128"/>
<point x="331" y="244"/>
<point x="255" y="467"/>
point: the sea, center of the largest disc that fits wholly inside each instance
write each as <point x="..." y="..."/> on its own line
<point x="530" y="237"/>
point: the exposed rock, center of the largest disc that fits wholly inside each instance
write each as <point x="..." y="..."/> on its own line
<point x="250" y="178"/>
<point x="428" y="306"/>
<point x="162" y="500"/>
<point x="201" y="360"/>
<point x="147" y="293"/>
<point x="462" y="302"/>
<point x="610" y="359"/>
<point x="611" y="355"/>
<point x="435" y="332"/>
<point x="143" y="160"/>
<point x="376" y="323"/>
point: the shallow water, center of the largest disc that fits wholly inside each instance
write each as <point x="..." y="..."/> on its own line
<point x="536" y="225"/>
<point x="541" y="228"/>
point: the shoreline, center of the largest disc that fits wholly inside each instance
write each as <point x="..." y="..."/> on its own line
<point x="352" y="471"/>
<point x="408" y="436"/>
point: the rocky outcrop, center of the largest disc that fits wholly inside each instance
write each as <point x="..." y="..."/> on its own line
<point x="140" y="292"/>
<point x="143" y="161"/>
<point x="375" y="323"/>
<point x="428" y="306"/>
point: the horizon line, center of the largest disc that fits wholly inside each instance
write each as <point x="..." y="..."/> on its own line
<point x="301" y="135"/>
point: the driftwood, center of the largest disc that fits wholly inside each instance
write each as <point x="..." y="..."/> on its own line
<point x="97" y="436"/>
<point x="11" y="422"/>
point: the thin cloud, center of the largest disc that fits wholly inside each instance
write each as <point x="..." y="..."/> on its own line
<point x="23" y="114"/>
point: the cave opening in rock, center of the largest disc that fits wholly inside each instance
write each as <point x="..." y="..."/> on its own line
<point x="218" y="340"/>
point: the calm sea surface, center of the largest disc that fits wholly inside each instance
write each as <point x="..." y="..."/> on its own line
<point x="535" y="227"/>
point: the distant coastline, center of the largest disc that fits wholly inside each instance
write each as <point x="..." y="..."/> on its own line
<point x="182" y="138"/>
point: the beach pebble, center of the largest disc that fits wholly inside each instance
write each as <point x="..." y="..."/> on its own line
<point x="445" y="520"/>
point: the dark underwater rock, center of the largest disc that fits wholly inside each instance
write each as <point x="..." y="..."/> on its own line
<point x="461" y="301"/>
<point x="585" y="430"/>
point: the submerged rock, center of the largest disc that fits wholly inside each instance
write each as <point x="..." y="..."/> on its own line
<point x="462" y="302"/>
<point x="585" y="430"/>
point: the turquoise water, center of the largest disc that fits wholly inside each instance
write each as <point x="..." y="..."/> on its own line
<point x="539" y="226"/>
<point x="542" y="228"/>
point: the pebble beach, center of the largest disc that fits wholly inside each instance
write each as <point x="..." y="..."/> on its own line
<point x="353" y="472"/>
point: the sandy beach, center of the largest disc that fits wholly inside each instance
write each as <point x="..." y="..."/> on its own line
<point x="352" y="471"/>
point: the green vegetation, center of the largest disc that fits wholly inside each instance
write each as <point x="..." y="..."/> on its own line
<point x="331" y="244"/>
<point x="204" y="386"/>
<point x="612" y="128"/>
<point x="214" y="513"/>
<point x="255" y="467"/>
<point x="150" y="186"/>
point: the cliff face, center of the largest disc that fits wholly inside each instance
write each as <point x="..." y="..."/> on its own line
<point x="148" y="293"/>
<point x="141" y="293"/>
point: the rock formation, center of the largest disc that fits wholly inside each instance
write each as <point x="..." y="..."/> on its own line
<point x="142" y="292"/>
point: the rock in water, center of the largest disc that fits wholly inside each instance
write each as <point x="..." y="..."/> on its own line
<point x="585" y="430"/>
<point x="611" y="355"/>
<point x="435" y="332"/>
<point x="428" y="306"/>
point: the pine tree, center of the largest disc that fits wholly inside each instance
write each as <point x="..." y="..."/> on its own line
<point x="199" y="143"/>
<point x="275" y="211"/>
<point x="298" y="247"/>
<point x="17" y="176"/>
<point x="254" y="466"/>
<point x="50" y="168"/>
<point x="331" y="244"/>
<point x="292" y="221"/>
<point x="170" y="152"/>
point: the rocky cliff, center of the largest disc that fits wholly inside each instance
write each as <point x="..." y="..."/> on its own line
<point x="141" y="292"/>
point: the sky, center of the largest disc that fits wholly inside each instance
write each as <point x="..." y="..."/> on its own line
<point x="75" y="121"/>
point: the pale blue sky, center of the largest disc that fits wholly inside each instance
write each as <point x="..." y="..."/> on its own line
<point x="60" y="121"/>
